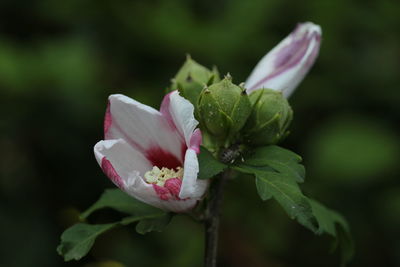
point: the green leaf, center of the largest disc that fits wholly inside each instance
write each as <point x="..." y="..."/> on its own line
<point x="332" y="223"/>
<point x="77" y="240"/>
<point x="120" y="201"/>
<point x="154" y="224"/>
<point x="281" y="160"/>
<point x="284" y="189"/>
<point x="209" y="166"/>
<point x="277" y="173"/>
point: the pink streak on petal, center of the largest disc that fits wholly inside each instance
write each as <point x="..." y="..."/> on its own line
<point x="111" y="173"/>
<point x="292" y="54"/>
<point x="162" y="192"/>
<point x="162" y="158"/>
<point x="174" y="186"/>
<point x="195" y="140"/>
<point x="164" y="109"/>
<point x="107" y="120"/>
<point x="287" y="58"/>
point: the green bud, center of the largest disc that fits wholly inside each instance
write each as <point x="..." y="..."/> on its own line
<point x="223" y="109"/>
<point x="270" y="118"/>
<point x="192" y="78"/>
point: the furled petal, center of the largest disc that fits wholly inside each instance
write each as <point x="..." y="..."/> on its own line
<point x="285" y="66"/>
<point x="118" y="160"/>
<point x="181" y="112"/>
<point x="144" y="128"/>
<point x="191" y="186"/>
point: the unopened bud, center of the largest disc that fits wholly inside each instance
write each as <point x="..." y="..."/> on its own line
<point x="223" y="109"/>
<point x="191" y="79"/>
<point x="270" y="118"/>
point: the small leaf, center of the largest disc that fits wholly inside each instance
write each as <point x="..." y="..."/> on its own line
<point x="209" y="166"/>
<point x="279" y="159"/>
<point x="77" y="240"/>
<point x="120" y="201"/>
<point x="288" y="195"/>
<point x="277" y="173"/>
<point x="332" y="223"/>
<point x="154" y="224"/>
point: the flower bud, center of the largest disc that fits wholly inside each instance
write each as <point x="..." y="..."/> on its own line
<point x="223" y="109"/>
<point x="192" y="78"/>
<point x="270" y="118"/>
<point x="285" y="66"/>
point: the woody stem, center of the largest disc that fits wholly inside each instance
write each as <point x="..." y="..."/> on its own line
<point x="212" y="219"/>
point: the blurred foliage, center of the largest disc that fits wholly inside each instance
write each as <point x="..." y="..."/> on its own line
<point x="59" y="60"/>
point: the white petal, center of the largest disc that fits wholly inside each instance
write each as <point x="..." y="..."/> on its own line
<point x="129" y="166"/>
<point x="182" y="114"/>
<point x="143" y="127"/>
<point x="191" y="186"/>
<point x="144" y="192"/>
<point x="285" y="66"/>
<point x="123" y="157"/>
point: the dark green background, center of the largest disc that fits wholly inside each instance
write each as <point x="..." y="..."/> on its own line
<point x="59" y="60"/>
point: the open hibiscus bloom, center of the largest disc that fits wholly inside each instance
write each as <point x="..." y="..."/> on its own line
<point x="151" y="154"/>
<point x="285" y="66"/>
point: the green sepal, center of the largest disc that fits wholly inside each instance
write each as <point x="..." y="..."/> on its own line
<point x="240" y="113"/>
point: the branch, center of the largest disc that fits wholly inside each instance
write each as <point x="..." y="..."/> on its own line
<point x="212" y="219"/>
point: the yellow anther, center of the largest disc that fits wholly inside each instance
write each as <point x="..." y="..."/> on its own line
<point x="160" y="176"/>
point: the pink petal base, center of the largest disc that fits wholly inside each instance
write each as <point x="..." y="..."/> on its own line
<point x="170" y="190"/>
<point x="162" y="158"/>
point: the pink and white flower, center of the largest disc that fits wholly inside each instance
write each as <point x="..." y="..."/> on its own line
<point x="285" y="66"/>
<point x="151" y="154"/>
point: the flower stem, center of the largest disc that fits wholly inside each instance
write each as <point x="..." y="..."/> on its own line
<point x="212" y="219"/>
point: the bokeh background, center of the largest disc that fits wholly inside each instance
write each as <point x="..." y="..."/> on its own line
<point x="59" y="60"/>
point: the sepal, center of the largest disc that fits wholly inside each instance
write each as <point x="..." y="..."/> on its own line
<point x="269" y="120"/>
